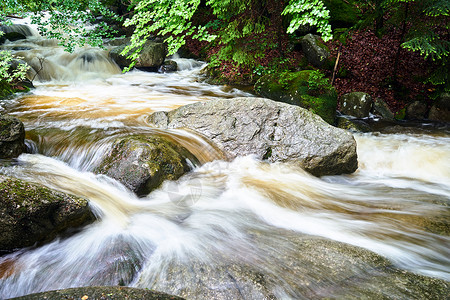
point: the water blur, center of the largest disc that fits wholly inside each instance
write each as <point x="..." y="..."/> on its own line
<point x="243" y="212"/>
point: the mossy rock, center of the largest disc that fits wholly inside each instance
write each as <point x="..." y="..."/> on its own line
<point x="298" y="88"/>
<point x="31" y="213"/>
<point x="12" y="137"/>
<point x="142" y="163"/>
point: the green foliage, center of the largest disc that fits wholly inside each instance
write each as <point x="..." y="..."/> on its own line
<point x="317" y="81"/>
<point x="309" y="12"/>
<point x="7" y="73"/>
<point x="165" y="18"/>
<point x="231" y="22"/>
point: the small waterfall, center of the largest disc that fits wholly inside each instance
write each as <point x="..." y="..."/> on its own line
<point x="186" y="63"/>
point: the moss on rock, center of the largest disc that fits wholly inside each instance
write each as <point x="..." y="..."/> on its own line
<point x="142" y="163"/>
<point x="31" y="213"/>
<point x="306" y="89"/>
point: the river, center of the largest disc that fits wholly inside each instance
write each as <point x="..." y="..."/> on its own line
<point x="241" y="228"/>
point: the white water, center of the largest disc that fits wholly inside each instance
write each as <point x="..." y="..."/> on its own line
<point x="239" y="213"/>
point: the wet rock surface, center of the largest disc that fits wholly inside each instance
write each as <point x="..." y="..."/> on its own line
<point x="100" y="293"/>
<point x="142" y="163"/>
<point x="31" y="213"/>
<point x="352" y="273"/>
<point x="12" y="136"/>
<point x="269" y="130"/>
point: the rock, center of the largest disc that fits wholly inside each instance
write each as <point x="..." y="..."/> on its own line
<point x="440" y="111"/>
<point x="439" y="114"/>
<point x="12" y="137"/>
<point x="31" y="213"/>
<point x="382" y="109"/>
<point x="269" y="130"/>
<point x="353" y="125"/>
<point x="303" y="89"/>
<point x="311" y="268"/>
<point x="315" y="51"/>
<point x="142" y="163"/>
<point x="151" y="57"/>
<point x="357" y="104"/>
<point x="416" y="110"/>
<point x="15" y="32"/>
<point x="100" y="293"/>
<point x="168" y="66"/>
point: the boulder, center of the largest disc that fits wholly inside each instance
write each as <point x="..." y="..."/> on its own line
<point x="357" y="104"/>
<point x="15" y="32"/>
<point x="416" y="110"/>
<point x="269" y="130"/>
<point x="142" y="163"/>
<point x="12" y="137"/>
<point x="381" y="108"/>
<point x="31" y="213"/>
<point x="315" y="51"/>
<point x="168" y="66"/>
<point x="100" y="293"/>
<point x="305" y="89"/>
<point x="151" y="57"/>
<point x="440" y="111"/>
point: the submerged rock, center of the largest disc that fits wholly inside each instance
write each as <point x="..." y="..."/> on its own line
<point x="269" y="130"/>
<point x="12" y="137"/>
<point x="100" y="293"/>
<point x="311" y="268"/>
<point x="142" y="163"/>
<point x="31" y="213"/>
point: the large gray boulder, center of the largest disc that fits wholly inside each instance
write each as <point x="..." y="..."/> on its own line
<point x="315" y="51"/>
<point x="357" y="104"/>
<point x="100" y="293"/>
<point x="142" y="163"/>
<point x="269" y="130"/>
<point x="151" y="57"/>
<point x="31" y="213"/>
<point x="12" y="137"/>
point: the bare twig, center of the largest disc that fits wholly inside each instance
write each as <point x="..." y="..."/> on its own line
<point x="41" y="61"/>
<point x="336" y="65"/>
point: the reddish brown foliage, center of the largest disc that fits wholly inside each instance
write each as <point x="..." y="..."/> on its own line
<point x="370" y="63"/>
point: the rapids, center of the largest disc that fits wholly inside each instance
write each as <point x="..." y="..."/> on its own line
<point x="242" y="213"/>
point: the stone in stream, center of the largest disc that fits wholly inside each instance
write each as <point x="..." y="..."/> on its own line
<point x="357" y="104"/>
<point x="293" y="266"/>
<point x="269" y="130"/>
<point x="31" y="213"/>
<point x="100" y="293"/>
<point x="150" y="58"/>
<point x="142" y="163"/>
<point x="12" y="137"/>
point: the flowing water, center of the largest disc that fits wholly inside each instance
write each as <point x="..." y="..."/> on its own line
<point x="234" y="229"/>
